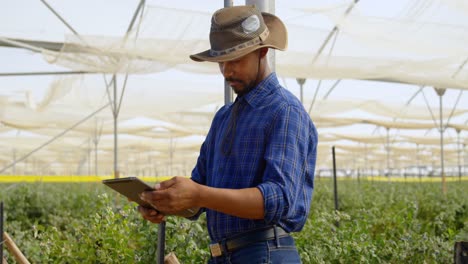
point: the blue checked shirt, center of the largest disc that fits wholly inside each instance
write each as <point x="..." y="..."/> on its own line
<point x="273" y="148"/>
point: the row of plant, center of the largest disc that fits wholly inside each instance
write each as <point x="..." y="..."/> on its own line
<point x="378" y="222"/>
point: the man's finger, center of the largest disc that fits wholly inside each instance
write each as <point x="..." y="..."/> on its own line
<point x="151" y="196"/>
<point x="151" y="215"/>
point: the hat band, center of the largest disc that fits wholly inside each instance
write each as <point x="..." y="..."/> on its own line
<point x="245" y="45"/>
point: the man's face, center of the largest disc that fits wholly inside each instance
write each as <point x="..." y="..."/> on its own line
<point x="241" y="73"/>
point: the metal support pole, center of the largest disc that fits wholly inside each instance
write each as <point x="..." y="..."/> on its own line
<point x="1" y="232"/>
<point x="269" y="7"/>
<point x="171" y="155"/>
<point x="34" y="46"/>
<point x="13" y="74"/>
<point x="96" y="141"/>
<point x="335" y="184"/>
<point x="14" y="163"/>
<point x="88" y="156"/>
<point x="117" y="103"/>
<point x="25" y="167"/>
<point x="95" y="158"/>
<point x="228" y="96"/>
<point x="464" y="158"/>
<point x="459" y="154"/>
<point x="301" y="82"/>
<point x="366" y="161"/>
<point x="440" y="92"/>
<point x="115" y="114"/>
<point x="418" y="161"/>
<point x="161" y="242"/>
<point x="388" y="152"/>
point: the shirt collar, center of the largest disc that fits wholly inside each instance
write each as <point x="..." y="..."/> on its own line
<point x="265" y="87"/>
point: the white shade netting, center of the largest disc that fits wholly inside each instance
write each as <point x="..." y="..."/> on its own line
<point x="163" y="121"/>
<point x="408" y="48"/>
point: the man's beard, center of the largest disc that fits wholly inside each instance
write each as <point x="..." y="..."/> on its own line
<point x="247" y="86"/>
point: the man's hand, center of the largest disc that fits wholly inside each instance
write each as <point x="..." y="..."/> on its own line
<point x="151" y="215"/>
<point x="174" y="195"/>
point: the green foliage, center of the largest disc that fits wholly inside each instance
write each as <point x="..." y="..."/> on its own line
<point x="87" y="223"/>
<point x="377" y="223"/>
<point x="385" y="223"/>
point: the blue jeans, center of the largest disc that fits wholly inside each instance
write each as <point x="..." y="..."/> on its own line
<point x="262" y="252"/>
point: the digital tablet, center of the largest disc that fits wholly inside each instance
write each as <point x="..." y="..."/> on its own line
<point x="132" y="187"/>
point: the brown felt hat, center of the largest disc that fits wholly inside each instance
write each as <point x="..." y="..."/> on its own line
<point x="239" y="30"/>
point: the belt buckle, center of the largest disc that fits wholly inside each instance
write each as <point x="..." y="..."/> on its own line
<point x="216" y="250"/>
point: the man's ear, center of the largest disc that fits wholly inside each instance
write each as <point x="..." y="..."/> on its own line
<point x="263" y="52"/>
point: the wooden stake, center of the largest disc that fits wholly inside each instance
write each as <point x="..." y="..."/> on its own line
<point x="171" y="259"/>
<point x="14" y="250"/>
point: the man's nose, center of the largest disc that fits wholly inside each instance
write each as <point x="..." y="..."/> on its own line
<point x="226" y="69"/>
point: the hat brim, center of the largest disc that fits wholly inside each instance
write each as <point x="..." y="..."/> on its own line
<point x="277" y="39"/>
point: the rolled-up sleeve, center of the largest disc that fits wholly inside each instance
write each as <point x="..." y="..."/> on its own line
<point x="284" y="188"/>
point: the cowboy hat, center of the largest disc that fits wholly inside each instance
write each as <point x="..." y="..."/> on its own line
<point x="239" y="30"/>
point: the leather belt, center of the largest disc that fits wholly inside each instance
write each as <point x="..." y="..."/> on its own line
<point x="245" y="239"/>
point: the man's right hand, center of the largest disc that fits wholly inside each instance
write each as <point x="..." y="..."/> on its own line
<point x="151" y="215"/>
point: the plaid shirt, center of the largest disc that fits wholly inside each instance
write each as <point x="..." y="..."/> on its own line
<point x="272" y="147"/>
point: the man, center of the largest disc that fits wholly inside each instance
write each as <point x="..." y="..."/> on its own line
<point x="255" y="174"/>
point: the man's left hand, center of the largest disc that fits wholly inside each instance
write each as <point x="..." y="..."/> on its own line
<point x="174" y="195"/>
